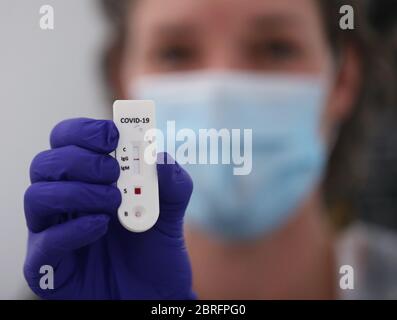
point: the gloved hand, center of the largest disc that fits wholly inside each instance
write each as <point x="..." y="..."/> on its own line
<point x="71" y="213"/>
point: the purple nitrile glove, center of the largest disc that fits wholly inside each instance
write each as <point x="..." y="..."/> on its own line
<point x="71" y="213"/>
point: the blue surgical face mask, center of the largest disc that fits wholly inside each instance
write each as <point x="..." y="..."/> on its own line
<point x="288" y="153"/>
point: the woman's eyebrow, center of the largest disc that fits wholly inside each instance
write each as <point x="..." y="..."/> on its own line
<point x="176" y="30"/>
<point x="275" y="21"/>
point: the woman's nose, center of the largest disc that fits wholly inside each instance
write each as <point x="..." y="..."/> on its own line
<point x="222" y="55"/>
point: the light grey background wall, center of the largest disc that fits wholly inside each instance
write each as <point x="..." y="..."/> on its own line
<point x="45" y="76"/>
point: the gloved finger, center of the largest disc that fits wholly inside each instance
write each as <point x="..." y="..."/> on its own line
<point x="175" y="188"/>
<point x="96" y="135"/>
<point x="46" y="203"/>
<point x="72" y="163"/>
<point x="50" y="245"/>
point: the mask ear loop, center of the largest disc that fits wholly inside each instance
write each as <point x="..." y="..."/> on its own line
<point x="332" y="79"/>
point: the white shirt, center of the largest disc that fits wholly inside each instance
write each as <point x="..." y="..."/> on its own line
<point x="372" y="252"/>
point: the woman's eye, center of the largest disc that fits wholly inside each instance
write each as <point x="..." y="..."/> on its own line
<point x="175" y="55"/>
<point x="275" y="50"/>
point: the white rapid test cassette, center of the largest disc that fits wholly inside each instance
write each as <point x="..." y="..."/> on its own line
<point x="138" y="182"/>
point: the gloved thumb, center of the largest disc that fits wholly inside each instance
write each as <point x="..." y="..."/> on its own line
<point x="175" y="188"/>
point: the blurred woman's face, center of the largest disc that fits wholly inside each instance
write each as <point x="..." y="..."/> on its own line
<point x="265" y="36"/>
<point x="257" y="35"/>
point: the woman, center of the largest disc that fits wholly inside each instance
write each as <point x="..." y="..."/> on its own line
<point x="282" y="68"/>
